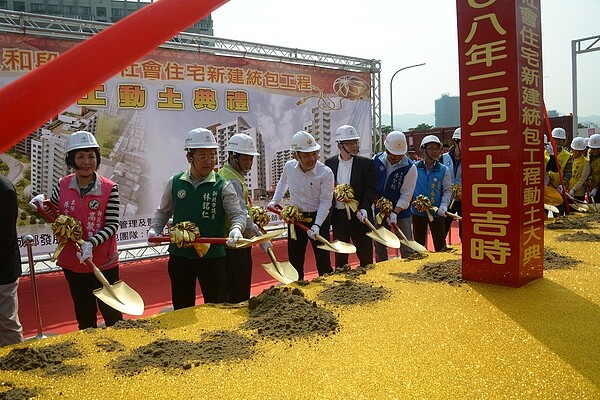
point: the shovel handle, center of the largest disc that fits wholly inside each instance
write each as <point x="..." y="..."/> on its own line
<point x="455" y="216"/>
<point x="369" y="224"/>
<point x="48" y="211"/>
<point x="298" y="224"/>
<point x="303" y="227"/>
<point x="210" y="240"/>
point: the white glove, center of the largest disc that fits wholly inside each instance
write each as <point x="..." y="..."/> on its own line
<point x="560" y="188"/>
<point x="273" y="204"/>
<point x="86" y="251"/>
<point x="37" y="200"/>
<point x="572" y="193"/>
<point x="234" y="235"/>
<point x="313" y="232"/>
<point x="265" y="245"/>
<point x="362" y="215"/>
<point x="392" y="219"/>
<point x="593" y="192"/>
<point x="152" y="234"/>
<point x="442" y="211"/>
<point x="549" y="149"/>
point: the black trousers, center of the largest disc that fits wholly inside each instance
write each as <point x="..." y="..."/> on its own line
<point x="238" y="274"/>
<point x="210" y="274"/>
<point x="437" y="228"/>
<point x="345" y="229"/>
<point x="297" y="248"/>
<point x="81" y="286"/>
<point x="455" y="209"/>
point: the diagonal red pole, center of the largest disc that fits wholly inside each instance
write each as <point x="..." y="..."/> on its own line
<point x="35" y="98"/>
<point x="560" y="174"/>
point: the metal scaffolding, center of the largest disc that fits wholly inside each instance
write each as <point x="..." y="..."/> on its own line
<point x="67" y="28"/>
<point x="76" y="29"/>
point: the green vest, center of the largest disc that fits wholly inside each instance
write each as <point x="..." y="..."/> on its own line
<point x="229" y="173"/>
<point x="202" y="206"/>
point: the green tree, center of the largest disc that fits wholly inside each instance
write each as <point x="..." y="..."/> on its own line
<point x="386" y="129"/>
<point x="422" y="127"/>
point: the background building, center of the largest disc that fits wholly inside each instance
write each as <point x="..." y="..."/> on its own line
<point x="447" y="111"/>
<point x="320" y="128"/>
<point x="93" y="10"/>
<point x="48" y="148"/>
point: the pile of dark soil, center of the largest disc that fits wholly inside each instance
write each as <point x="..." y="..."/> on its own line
<point x="351" y="292"/>
<point x="145" y="324"/>
<point x="579" y="236"/>
<point x="284" y="313"/>
<point x="108" y="345"/>
<point x="353" y="273"/>
<point x="567" y="222"/>
<point x="553" y="260"/>
<point x="449" y="271"/>
<point x="167" y="354"/>
<point x="48" y="359"/>
<point x="15" y="393"/>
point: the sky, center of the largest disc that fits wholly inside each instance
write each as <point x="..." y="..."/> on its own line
<point x="401" y="33"/>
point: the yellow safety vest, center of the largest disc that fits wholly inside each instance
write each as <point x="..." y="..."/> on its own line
<point x="562" y="160"/>
<point x="578" y="164"/>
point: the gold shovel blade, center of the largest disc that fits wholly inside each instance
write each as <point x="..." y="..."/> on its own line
<point x="260" y="239"/>
<point x="123" y="298"/>
<point x="336" y="246"/>
<point x="385" y="237"/>
<point x="274" y="272"/>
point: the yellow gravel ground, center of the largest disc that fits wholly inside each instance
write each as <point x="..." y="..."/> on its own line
<point x="428" y="340"/>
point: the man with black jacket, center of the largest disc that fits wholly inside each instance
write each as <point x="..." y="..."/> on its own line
<point x="358" y="172"/>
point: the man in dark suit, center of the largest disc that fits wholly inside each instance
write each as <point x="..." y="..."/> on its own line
<point x="359" y="172"/>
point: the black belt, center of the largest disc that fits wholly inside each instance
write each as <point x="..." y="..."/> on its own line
<point x="309" y="214"/>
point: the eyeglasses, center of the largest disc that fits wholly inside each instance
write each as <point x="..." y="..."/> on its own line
<point x="206" y="157"/>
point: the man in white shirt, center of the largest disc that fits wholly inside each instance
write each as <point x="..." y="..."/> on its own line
<point x="310" y="185"/>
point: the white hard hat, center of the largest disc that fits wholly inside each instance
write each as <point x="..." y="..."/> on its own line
<point x="242" y="144"/>
<point x="586" y="141"/>
<point x="430" y="139"/>
<point x="81" y="140"/>
<point x="395" y="143"/>
<point x="456" y="134"/>
<point x="346" y="132"/>
<point x="559" y="133"/>
<point x="304" y="142"/>
<point x="200" y="138"/>
<point x="594" y="142"/>
<point x="578" y="143"/>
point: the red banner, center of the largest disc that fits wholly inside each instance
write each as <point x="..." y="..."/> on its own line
<point x="500" y="53"/>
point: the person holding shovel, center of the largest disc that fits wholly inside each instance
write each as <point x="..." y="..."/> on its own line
<point x="396" y="178"/>
<point x="93" y="200"/>
<point x="357" y="173"/>
<point x="434" y="184"/>
<point x="580" y="169"/>
<point x="310" y="185"/>
<point x="202" y="197"/>
<point x="11" y="330"/>
<point x="593" y="183"/>
<point x="241" y="150"/>
<point x="454" y="156"/>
